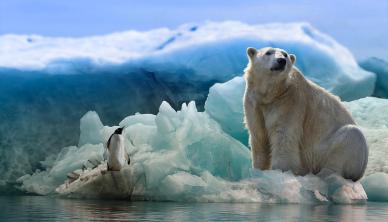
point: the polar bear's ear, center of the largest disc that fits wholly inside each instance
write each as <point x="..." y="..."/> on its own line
<point x="251" y="52"/>
<point x="293" y="58"/>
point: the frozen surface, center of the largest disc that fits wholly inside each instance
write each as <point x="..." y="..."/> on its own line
<point x="380" y="67"/>
<point x="180" y="156"/>
<point x="376" y="186"/>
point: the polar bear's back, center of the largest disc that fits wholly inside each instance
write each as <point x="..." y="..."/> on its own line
<point x="323" y="115"/>
<point x="321" y="106"/>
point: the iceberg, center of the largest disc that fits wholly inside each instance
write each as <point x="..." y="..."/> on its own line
<point x="380" y="68"/>
<point x="159" y="145"/>
<point x="376" y="186"/>
<point x="211" y="51"/>
<point x="47" y="84"/>
<point x="178" y="156"/>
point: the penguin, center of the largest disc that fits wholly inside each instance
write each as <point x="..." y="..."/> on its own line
<point x="115" y="153"/>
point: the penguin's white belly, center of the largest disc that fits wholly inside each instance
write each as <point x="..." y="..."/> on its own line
<point x="117" y="158"/>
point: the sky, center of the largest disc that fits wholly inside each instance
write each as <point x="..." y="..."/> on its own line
<point x="360" y="25"/>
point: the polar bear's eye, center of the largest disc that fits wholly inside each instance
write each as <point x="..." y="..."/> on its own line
<point x="268" y="53"/>
<point x="284" y="54"/>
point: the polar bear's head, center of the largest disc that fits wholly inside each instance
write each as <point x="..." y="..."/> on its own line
<point x="270" y="61"/>
<point x="268" y="72"/>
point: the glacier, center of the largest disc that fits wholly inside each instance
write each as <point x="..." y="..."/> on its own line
<point x="210" y="51"/>
<point x="47" y="84"/>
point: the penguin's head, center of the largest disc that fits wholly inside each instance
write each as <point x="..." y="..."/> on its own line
<point x="119" y="130"/>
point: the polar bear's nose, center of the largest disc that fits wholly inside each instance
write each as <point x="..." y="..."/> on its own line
<point x="281" y="61"/>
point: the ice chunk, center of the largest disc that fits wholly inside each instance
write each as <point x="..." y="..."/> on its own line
<point x="268" y="186"/>
<point x="39" y="183"/>
<point x="146" y="119"/>
<point x="370" y="114"/>
<point x="90" y="129"/>
<point x="173" y="141"/>
<point x="179" y="156"/>
<point x="224" y="104"/>
<point x="345" y="191"/>
<point x="100" y="183"/>
<point x="69" y="159"/>
<point x="376" y="186"/>
<point x="380" y="67"/>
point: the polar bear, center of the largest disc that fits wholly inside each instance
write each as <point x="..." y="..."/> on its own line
<point x="296" y="125"/>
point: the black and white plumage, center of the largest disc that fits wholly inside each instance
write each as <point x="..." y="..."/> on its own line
<point x="115" y="153"/>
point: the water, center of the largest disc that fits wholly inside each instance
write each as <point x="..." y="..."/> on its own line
<point x="38" y="208"/>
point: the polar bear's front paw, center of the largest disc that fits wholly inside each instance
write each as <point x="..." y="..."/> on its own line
<point x="280" y="165"/>
<point x="286" y="165"/>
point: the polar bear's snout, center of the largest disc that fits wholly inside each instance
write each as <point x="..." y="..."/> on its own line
<point x="279" y="64"/>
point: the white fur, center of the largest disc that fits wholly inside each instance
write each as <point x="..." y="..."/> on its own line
<point x="296" y="125"/>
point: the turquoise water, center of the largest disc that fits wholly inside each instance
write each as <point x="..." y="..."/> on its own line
<point x="38" y="208"/>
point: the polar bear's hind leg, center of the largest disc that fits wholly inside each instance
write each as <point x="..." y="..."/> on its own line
<point x="348" y="155"/>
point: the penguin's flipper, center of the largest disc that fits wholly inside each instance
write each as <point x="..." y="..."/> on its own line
<point x="107" y="145"/>
<point x="128" y="159"/>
